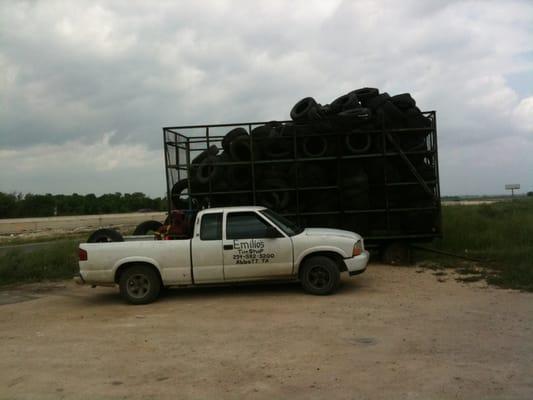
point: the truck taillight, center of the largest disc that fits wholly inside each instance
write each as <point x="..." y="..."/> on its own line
<point x="82" y="255"/>
<point x="357" y="248"/>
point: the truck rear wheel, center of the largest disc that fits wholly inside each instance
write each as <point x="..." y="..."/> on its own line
<point x="139" y="284"/>
<point x="320" y="275"/>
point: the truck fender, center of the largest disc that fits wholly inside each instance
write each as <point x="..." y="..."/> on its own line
<point x="136" y="259"/>
<point x="318" y="249"/>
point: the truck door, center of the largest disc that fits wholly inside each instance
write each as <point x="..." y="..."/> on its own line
<point x="206" y="245"/>
<point x="254" y="248"/>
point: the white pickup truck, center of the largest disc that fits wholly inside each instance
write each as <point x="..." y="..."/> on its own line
<point x="228" y="245"/>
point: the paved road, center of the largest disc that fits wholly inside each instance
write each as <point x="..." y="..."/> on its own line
<point x="390" y="333"/>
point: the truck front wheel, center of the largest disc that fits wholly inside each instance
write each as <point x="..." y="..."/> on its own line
<point x="139" y="284"/>
<point x="320" y="275"/>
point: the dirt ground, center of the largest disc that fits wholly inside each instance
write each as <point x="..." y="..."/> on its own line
<point x="38" y="228"/>
<point x="391" y="333"/>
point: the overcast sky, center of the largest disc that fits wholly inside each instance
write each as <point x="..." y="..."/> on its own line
<point x="85" y="87"/>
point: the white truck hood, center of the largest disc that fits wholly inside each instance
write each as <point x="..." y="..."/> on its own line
<point x="331" y="232"/>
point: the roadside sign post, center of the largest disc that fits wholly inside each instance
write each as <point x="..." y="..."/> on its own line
<point x="512" y="187"/>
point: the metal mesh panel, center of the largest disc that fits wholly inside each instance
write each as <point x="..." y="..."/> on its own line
<point x="394" y="167"/>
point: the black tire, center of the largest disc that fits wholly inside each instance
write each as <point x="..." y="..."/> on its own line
<point x="277" y="198"/>
<point x="360" y="113"/>
<point x="415" y="118"/>
<point x="139" y="284"/>
<point x="176" y="194"/>
<point x="211" y="151"/>
<point x="310" y="174"/>
<point x="260" y="136"/>
<point x="275" y="171"/>
<point x="300" y="111"/>
<point x="391" y="115"/>
<point x="314" y="146"/>
<point x="375" y="102"/>
<point x="221" y="199"/>
<point x="278" y="145"/>
<point x="239" y="176"/>
<point x="358" y="142"/>
<point x="208" y="170"/>
<point x="320" y="275"/>
<point x="144" y="228"/>
<point x="357" y="181"/>
<point x="105" y="236"/>
<point x="232" y="135"/>
<point x="403" y="101"/>
<point x="355" y="194"/>
<point x="240" y="150"/>
<point x="345" y="102"/>
<point x="316" y="113"/>
<point x="365" y="94"/>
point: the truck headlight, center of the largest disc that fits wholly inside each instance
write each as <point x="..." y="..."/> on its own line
<point x="358" y="248"/>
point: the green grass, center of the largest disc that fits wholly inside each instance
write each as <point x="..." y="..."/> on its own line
<point x="51" y="262"/>
<point x="8" y="241"/>
<point x="500" y="233"/>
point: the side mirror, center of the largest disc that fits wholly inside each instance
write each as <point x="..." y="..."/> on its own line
<point x="272" y="233"/>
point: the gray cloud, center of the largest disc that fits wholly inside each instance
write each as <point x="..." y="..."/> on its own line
<point x="74" y="71"/>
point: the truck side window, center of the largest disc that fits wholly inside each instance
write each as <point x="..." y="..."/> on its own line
<point x="211" y="227"/>
<point x="245" y="225"/>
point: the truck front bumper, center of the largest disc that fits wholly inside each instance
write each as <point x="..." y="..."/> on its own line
<point x="357" y="265"/>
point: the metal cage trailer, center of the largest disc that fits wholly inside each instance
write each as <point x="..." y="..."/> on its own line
<point x="357" y="172"/>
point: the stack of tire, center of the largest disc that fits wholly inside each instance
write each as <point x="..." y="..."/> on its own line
<point x="353" y="124"/>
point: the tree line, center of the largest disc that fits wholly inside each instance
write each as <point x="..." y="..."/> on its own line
<point x="17" y="205"/>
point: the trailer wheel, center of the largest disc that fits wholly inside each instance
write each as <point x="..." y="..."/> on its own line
<point x="104" y="236"/>
<point x="320" y="275"/>
<point x="396" y="253"/>
<point x="139" y="284"/>
<point x="144" y="228"/>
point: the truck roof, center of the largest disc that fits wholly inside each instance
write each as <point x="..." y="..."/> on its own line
<point x="239" y="208"/>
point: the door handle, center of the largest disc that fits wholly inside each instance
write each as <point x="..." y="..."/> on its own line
<point x="228" y="247"/>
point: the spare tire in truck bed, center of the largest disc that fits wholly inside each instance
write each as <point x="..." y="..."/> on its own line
<point x="144" y="228"/>
<point x="105" y="235"/>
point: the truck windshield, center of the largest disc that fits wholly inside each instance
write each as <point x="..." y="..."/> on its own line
<point x="289" y="227"/>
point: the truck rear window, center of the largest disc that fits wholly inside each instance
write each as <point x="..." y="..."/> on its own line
<point x="211" y="227"/>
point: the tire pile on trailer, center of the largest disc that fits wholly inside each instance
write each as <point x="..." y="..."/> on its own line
<point x="327" y="159"/>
